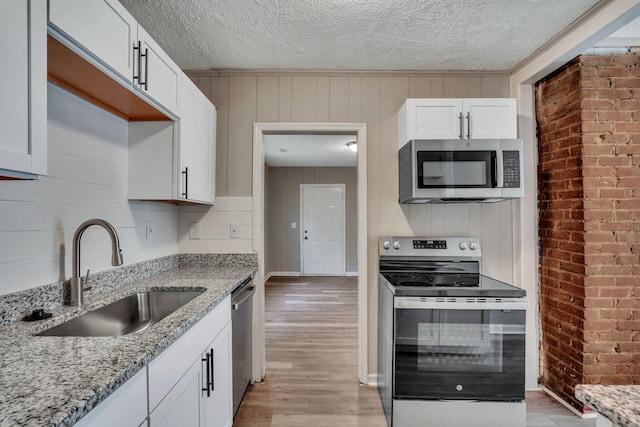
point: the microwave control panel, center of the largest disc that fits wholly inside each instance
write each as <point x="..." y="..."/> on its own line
<point x="511" y="168"/>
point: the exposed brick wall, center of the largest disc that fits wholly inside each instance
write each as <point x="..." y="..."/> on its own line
<point x="611" y="170"/>
<point x="589" y="193"/>
<point x="561" y="230"/>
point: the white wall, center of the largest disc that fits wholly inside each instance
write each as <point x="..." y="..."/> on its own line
<point x="87" y="178"/>
<point x="214" y="224"/>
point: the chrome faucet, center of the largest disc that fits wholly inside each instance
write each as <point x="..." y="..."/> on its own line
<point x="116" y="257"/>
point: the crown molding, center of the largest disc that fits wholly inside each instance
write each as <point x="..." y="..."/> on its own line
<point x="345" y="73"/>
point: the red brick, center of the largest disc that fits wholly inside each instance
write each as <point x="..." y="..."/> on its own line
<point x="631" y="127"/>
<point x="618" y="292"/>
<point x="628" y="204"/>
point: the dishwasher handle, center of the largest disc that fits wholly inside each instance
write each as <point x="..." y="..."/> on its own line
<point x="236" y="305"/>
<point x="250" y="290"/>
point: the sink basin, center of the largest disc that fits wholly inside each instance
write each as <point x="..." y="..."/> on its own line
<point x="130" y="314"/>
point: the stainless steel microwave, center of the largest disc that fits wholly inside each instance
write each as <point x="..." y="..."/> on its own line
<point x="445" y="171"/>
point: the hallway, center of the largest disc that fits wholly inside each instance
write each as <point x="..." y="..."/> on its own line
<point x="311" y="334"/>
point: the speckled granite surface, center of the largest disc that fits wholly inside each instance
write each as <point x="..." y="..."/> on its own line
<point x="54" y="381"/>
<point x="619" y="403"/>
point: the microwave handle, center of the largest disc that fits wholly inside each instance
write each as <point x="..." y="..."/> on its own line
<point x="495" y="173"/>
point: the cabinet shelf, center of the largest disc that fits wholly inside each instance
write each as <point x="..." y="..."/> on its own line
<point x="67" y="69"/>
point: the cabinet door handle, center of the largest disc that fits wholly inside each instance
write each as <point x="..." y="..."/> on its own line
<point x="468" y="125"/>
<point x="185" y="172"/>
<point x="146" y="69"/>
<point x="213" y="372"/>
<point x="208" y="378"/>
<point x="461" y="118"/>
<point x="137" y="58"/>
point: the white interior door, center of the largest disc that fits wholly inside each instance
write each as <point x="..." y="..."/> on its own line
<point x="322" y="245"/>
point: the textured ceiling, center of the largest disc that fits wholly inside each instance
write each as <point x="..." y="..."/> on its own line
<point x="354" y="34"/>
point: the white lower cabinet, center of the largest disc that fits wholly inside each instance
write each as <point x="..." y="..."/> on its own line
<point x="187" y="385"/>
<point x="202" y="397"/>
<point x="217" y="407"/>
<point x="181" y="407"/>
<point x="127" y="406"/>
<point x="190" y="383"/>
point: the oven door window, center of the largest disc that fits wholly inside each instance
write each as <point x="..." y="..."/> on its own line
<point x="456" y="169"/>
<point x="459" y="354"/>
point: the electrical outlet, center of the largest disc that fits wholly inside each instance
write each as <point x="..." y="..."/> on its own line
<point x="194" y="230"/>
<point x="294" y="225"/>
<point x="235" y="231"/>
<point x="149" y="230"/>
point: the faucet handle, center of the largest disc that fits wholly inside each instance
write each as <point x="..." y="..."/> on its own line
<point x="85" y="286"/>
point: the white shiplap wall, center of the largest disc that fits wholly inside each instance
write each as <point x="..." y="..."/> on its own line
<point x="87" y="178"/>
<point x="214" y="223"/>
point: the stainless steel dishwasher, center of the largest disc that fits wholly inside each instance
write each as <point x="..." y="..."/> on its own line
<point x="241" y="329"/>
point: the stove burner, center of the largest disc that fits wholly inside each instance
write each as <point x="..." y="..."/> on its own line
<point x="400" y="276"/>
<point x="413" y="283"/>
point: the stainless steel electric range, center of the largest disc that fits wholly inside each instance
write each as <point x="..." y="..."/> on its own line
<point x="451" y="342"/>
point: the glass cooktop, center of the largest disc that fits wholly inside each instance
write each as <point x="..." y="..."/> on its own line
<point x="397" y="278"/>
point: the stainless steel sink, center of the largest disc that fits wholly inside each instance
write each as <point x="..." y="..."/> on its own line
<point x="130" y="314"/>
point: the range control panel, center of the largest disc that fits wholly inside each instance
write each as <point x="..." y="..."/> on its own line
<point x="429" y="244"/>
<point x="432" y="247"/>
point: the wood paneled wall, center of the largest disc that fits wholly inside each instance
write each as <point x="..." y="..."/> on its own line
<point x="282" y="207"/>
<point x="243" y="98"/>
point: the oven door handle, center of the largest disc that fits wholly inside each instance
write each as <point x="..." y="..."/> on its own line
<point x="418" y="304"/>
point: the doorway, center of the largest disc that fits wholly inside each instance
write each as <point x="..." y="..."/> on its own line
<point x="358" y="130"/>
<point x="322" y="237"/>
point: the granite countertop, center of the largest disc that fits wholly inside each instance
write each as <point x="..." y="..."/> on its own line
<point x="54" y="381"/>
<point x="618" y="403"/>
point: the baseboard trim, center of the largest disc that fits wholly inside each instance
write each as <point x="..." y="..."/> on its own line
<point x="557" y="398"/>
<point x="284" y="274"/>
<point x="372" y="380"/>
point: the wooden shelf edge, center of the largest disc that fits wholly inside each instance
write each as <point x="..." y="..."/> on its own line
<point x="177" y="202"/>
<point x="72" y="72"/>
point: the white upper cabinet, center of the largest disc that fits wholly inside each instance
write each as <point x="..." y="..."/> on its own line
<point x="430" y="119"/>
<point x="175" y="162"/>
<point x="102" y="28"/>
<point x="105" y="32"/>
<point x="197" y="144"/>
<point x="23" y="108"/>
<point x="156" y="73"/>
<point x="457" y="118"/>
<point x="490" y="118"/>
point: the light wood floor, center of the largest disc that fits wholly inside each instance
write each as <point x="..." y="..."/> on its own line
<point x="311" y="339"/>
<point x="311" y="342"/>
